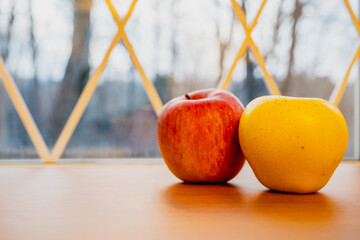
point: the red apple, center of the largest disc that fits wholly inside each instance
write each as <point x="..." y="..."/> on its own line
<point x="198" y="136"/>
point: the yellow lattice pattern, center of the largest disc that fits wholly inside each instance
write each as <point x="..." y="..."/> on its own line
<point x="153" y="95"/>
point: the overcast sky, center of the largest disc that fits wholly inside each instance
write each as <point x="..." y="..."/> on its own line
<point x="327" y="38"/>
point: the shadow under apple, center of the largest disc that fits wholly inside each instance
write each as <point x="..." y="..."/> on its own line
<point x="203" y="197"/>
<point x="316" y="207"/>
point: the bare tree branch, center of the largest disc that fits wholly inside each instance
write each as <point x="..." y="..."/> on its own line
<point x="35" y="100"/>
<point x="296" y="15"/>
<point x="223" y="45"/>
<point x="9" y="31"/>
<point x="278" y="22"/>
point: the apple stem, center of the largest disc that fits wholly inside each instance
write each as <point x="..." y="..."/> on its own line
<point x="187" y="97"/>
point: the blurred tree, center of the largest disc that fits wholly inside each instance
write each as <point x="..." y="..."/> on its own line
<point x="5" y="39"/>
<point x="296" y="15"/>
<point x="77" y="70"/>
<point x="252" y="87"/>
<point x="35" y="103"/>
<point x="162" y="86"/>
<point x="223" y="44"/>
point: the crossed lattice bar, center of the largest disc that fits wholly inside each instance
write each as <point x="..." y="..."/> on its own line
<point x="340" y="88"/>
<point x="83" y="101"/>
<point x="92" y="84"/>
<point x="248" y="42"/>
<point x="23" y="112"/>
<point x="84" y="98"/>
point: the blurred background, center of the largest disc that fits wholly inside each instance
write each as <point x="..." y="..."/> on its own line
<point x="52" y="47"/>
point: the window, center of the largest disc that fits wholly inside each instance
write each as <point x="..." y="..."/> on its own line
<point x="51" y="49"/>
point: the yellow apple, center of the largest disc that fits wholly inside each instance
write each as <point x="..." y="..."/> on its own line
<point x="293" y="144"/>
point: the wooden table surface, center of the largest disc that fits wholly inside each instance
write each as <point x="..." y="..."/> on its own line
<point x="144" y="201"/>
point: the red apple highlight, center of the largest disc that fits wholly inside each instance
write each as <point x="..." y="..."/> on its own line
<point x="198" y="136"/>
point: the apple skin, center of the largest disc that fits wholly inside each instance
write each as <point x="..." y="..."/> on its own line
<point x="198" y="136"/>
<point x="293" y="144"/>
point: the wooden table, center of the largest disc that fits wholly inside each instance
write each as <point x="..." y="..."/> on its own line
<point x="144" y="201"/>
